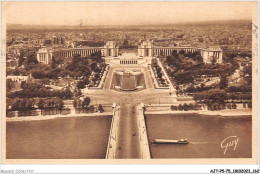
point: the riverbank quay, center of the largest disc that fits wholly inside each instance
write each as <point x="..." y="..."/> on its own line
<point x="48" y="117"/>
<point x="226" y="112"/>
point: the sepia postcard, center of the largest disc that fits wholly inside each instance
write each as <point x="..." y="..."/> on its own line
<point x="129" y="82"/>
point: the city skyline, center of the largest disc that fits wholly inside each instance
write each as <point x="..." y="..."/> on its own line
<point x="123" y="13"/>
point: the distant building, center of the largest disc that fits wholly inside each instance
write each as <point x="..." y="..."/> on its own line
<point x="147" y="49"/>
<point x="44" y="55"/>
<point x="211" y="53"/>
<point x="17" y="78"/>
<point x="110" y="49"/>
<point x="70" y="52"/>
<point x="58" y="40"/>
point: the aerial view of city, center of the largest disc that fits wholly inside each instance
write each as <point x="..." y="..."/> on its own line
<point x="88" y="86"/>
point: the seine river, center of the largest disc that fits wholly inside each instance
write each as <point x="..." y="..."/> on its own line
<point x="60" y="138"/>
<point x="205" y="134"/>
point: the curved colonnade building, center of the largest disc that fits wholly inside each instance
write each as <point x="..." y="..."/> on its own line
<point x="145" y="50"/>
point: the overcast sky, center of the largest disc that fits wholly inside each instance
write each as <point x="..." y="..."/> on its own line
<point x="123" y="13"/>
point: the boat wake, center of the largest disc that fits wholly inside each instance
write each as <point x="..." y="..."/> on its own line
<point x="203" y="142"/>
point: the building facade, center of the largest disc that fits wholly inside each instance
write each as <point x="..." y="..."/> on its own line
<point x="147" y="49"/>
<point x="44" y="55"/>
<point x="212" y="54"/>
<point x="110" y="49"/>
<point x="70" y="52"/>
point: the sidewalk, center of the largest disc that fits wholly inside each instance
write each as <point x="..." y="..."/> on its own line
<point x="144" y="143"/>
<point x="113" y="135"/>
<point x="47" y="117"/>
<point x="226" y="112"/>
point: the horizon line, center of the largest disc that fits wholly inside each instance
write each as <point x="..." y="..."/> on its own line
<point x="90" y="25"/>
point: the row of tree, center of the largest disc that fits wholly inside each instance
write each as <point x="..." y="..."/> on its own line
<point x="33" y="90"/>
<point x="27" y="104"/>
<point x="185" y="107"/>
<point x="193" y="89"/>
<point x="158" y="71"/>
<point x="79" y="104"/>
<point x="216" y="99"/>
<point x="220" y="95"/>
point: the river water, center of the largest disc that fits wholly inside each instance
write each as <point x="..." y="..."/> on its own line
<point x="59" y="138"/>
<point x="205" y="134"/>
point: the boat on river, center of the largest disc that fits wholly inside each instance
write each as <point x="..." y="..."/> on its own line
<point x="165" y="141"/>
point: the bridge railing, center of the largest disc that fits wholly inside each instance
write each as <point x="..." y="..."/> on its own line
<point x="112" y="140"/>
<point x="144" y="143"/>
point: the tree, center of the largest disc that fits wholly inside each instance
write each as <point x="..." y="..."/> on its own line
<point x="61" y="105"/>
<point x="77" y="92"/>
<point x="247" y="74"/>
<point x="75" y="103"/>
<point x="66" y="94"/>
<point x="168" y="71"/>
<point x="214" y="106"/>
<point x="223" y="82"/>
<point x="16" y="104"/>
<point x="22" y="84"/>
<point x="59" y="60"/>
<point x="93" y="66"/>
<point x="159" y="75"/>
<point x="250" y="105"/>
<point x="191" y="106"/>
<point x="53" y="62"/>
<point x="211" y="96"/>
<point x="174" y="53"/>
<point x="41" y="104"/>
<point x="174" y="108"/>
<point x="158" y="70"/>
<point x="185" y="107"/>
<point x="30" y="103"/>
<point x="80" y="85"/>
<point x="64" y="73"/>
<point x="199" y="58"/>
<point x="21" y="59"/>
<point x="169" y="60"/>
<point x="180" y="107"/>
<point x="85" y="102"/>
<point x="9" y="85"/>
<point x="38" y="74"/>
<point x="100" y="108"/>
<point x="75" y="59"/>
<point x="49" y="103"/>
<point x="234" y="106"/>
<point x="30" y="59"/>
